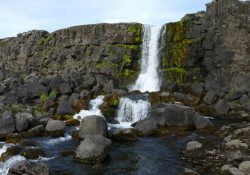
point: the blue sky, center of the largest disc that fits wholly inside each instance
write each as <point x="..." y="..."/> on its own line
<point x="18" y="16"/>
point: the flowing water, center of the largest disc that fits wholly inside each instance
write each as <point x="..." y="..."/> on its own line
<point x="132" y="110"/>
<point x="147" y="156"/>
<point x="148" y="79"/>
<point x="94" y="108"/>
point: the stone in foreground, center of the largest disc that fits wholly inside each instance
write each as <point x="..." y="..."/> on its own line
<point x="26" y="167"/>
<point x="94" y="149"/>
<point x="55" y="128"/>
<point x="93" y="125"/>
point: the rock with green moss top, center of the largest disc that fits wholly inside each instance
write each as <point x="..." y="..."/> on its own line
<point x="109" y="107"/>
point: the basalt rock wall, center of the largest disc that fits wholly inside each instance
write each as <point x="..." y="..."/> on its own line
<point x="109" y="50"/>
<point x="208" y="53"/>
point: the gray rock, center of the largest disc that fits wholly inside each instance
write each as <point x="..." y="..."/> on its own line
<point x="229" y="169"/>
<point x="55" y="127"/>
<point x="221" y="108"/>
<point x="93" y="125"/>
<point x="203" y="123"/>
<point x="25" y="115"/>
<point x="93" y="149"/>
<point x="188" y="171"/>
<point x="245" y="167"/>
<point x="210" y="97"/>
<point x="26" y="167"/>
<point x="236" y="95"/>
<point x="7" y="123"/>
<point x="193" y="146"/>
<point x="197" y="89"/>
<point x="64" y="108"/>
<point x="193" y="149"/>
<point x="22" y="124"/>
<point x="236" y="145"/>
<point x="37" y="131"/>
<point x="74" y="97"/>
<point x="166" y="115"/>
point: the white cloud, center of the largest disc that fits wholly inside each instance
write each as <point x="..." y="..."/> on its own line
<point x="22" y="15"/>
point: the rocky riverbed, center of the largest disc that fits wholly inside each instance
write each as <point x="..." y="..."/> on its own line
<point x="66" y="108"/>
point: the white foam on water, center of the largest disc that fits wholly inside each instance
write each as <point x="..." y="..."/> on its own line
<point x="4" y="148"/>
<point x="57" y="140"/>
<point x="131" y="111"/>
<point x="43" y="159"/>
<point x="94" y="108"/>
<point x="5" y="166"/>
<point x="148" y="79"/>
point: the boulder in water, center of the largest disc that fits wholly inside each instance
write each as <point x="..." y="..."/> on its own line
<point x="166" y="116"/>
<point x="55" y="128"/>
<point x="93" y="125"/>
<point x="93" y="149"/>
<point x="26" y="167"/>
<point x="33" y="153"/>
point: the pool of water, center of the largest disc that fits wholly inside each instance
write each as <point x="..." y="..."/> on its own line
<point x="160" y="155"/>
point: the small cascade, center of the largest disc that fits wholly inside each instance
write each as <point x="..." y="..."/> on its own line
<point x="5" y="166"/>
<point x="94" y="108"/>
<point x="131" y="111"/>
<point x="148" y="79"/>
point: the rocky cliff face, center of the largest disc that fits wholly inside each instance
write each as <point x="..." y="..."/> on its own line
<point x="217" y="40"/>
<point x="112" y="50"/>
<point x="209" y="53"/>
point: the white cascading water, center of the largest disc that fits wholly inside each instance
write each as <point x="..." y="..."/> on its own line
<point x="148" y="79"/>
<point x="130" y="110"/>
<point x="94" y="108"/>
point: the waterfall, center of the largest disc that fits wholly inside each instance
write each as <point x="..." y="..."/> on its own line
<point x="132" y="110"/>
<point x="94" y="108"/>
<point x="148" y="79"/>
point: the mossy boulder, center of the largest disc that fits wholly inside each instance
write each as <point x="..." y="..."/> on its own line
<point x="109" y="107"/>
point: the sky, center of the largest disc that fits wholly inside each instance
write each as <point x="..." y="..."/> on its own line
<point x="17" y="16"/>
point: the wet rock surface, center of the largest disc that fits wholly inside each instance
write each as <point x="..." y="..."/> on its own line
<point x="93" y="149"/>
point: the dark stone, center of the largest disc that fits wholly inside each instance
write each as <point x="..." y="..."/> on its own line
<point x="166" y="115"/>
<point x="10" y="152"/>
<point x="36" y="131"/>
<point x="55" y="128"/>
<point x="128" y="134"/>
<point x="64" y="108"/>
<point x="203" y="124"/>
<point x="22" y="124"/>
<point x="7" y="123"/>
<point x="93" y="125"/>
<point x="197" y="89"/>
<point x="221" y="108"/>
<point x="236" y="95"/>
<point x="26" y="167"/>
<point x="33" y="153"/>
<point x="13" y="138"/>
<point x="93" y="149"/>
<point x="74" y="97"/>
<point x="210" y="97"/>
